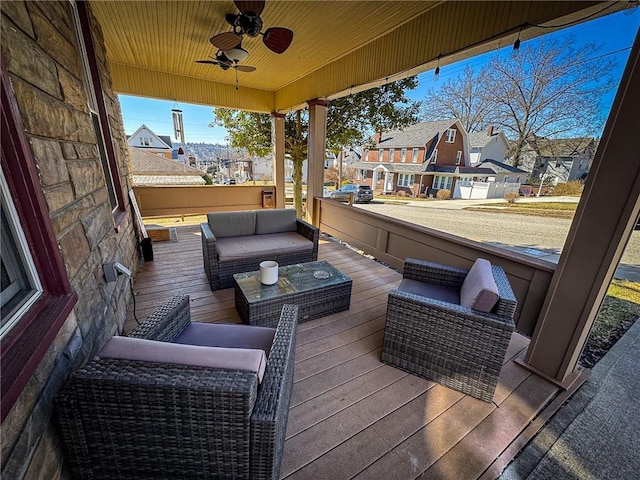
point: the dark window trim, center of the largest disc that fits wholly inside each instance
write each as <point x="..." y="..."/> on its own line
<point x="85" y="27"/>
<point x="24" y="346"/>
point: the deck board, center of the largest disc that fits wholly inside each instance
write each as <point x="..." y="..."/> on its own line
<point x="352" y="416"/>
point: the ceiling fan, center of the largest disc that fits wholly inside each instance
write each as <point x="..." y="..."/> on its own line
<point x="230" y="59"/>
<point x="248" y="22"/>
<point x="227" y="60"/>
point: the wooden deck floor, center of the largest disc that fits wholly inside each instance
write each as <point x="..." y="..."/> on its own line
<point x="351" y="416"/>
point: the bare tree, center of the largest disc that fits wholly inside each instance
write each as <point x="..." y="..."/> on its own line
<point x="550" y="89"/>
<point x="465" y="98"/>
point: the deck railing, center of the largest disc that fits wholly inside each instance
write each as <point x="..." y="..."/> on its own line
<point x="391" y="241"/>
<point x="388" y="239"/>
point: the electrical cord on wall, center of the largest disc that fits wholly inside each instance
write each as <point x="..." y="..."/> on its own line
<point x="133" y="296"/>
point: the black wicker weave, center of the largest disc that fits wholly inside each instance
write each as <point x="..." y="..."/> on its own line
<point x="220" y="274"/>
<point x="122" y="419"/>
<point x="453" y="345"/>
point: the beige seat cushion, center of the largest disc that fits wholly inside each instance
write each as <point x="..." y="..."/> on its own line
<point x="261" y="246"/>
<point x="229" y="335"/>
<point x="429" y="290"/>
<point x="128" y="348"/>
<point x="479" y="290"/>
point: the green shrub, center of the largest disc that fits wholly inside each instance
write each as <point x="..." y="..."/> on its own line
<point x="573" y="188"/>
<point x="443" y="194"/>
<point x="511" y="197"/>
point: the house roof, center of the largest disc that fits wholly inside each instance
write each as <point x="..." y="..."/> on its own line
<point x="163" y="141"/>
<point x="422" y="168"/>
<point x="561" y="147"/>
<point x="150" y="169"/>
<point x="331" y="55"/>
<point x="499" y="167"/>
<point x="458" y="170"/>
<point x="415" y="135"/>
<point x="480" y="139"/>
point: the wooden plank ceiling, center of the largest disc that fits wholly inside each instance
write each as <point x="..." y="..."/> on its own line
<point x="338" y="46"/>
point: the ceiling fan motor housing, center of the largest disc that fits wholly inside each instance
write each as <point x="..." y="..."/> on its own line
<point x="249" y="25"/>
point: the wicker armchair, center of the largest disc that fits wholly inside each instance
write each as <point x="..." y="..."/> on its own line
<point x="450" y="344"/>
<point x="122" y="419"/>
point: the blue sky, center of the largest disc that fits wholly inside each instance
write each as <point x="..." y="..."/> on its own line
<point x="615" y="32"/>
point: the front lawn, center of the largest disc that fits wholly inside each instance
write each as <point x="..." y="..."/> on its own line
<point x="539" y="209"/>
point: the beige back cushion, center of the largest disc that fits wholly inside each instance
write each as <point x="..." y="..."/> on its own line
<point x="232" y="224"/>
<point x="275" y="221"/>
<point x="128" y="348"/>
<point x="479" y="290"/>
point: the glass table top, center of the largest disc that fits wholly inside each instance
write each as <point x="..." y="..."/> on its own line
<point x="297" y="278"/>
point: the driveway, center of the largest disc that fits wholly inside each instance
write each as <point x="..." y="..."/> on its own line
<point x="541" y="237"/>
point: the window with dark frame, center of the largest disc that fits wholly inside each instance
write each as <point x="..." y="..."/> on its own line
<point x="42" y="299"/>
<point x="97" y="107"/>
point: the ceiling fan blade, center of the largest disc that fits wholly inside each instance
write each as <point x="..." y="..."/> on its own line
<point x="225" y="41"/>
<point x="277" y="39"/>
<point x="250" y="8"/>
<point x="245" y="68"/>
<point x="212" y="62"/>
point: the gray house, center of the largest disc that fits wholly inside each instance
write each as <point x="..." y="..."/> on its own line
<point x="562" y="159"/>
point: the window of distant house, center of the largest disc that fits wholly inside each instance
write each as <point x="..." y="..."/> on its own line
<point x="458" y="157"/>
<point x="414" y="156"/>
<point x="366" y="155"/>
<point x="364" y="174"/>
<point x="440" y="181"/>
<point x="403" y="155"/>
<point x="451" y="135"/>
<point x="434" y="156"/>
<point x="405" y="180"/>
<point x="97" y="108"/>
<point x="381" y="155"/>
<point x="391" y="153"/>
<point x="379" y="176"/>
<point x="146" y="141"/>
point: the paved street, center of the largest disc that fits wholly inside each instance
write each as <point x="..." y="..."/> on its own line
<point x="537" y="236"/>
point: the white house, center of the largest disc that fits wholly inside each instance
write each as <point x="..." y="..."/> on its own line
<point x="487" y="145"/>
<point x="145" y="139"/>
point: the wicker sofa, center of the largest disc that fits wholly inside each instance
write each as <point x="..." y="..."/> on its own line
<point x="429" y="334"/>
<point x="236" y="242"/>
<point x="134" y="419"/>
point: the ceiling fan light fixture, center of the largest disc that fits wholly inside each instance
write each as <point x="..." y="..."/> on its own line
<point x="236" y="55"/>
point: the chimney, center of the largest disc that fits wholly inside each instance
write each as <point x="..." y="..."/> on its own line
<point x="490" y="131"/>
<point x="376" y="138"/>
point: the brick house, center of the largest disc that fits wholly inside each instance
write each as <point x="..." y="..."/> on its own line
<point x="421" y="159"/>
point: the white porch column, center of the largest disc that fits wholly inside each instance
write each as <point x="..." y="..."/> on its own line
<point x="316" y="152"/>
<point x="603" y="223"/>
<point x="277" y="144"/>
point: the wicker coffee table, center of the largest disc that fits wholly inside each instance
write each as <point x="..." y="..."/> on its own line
<point x="316" y="287"/>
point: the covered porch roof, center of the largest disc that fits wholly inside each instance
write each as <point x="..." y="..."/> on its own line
<point x="339" y="47"/>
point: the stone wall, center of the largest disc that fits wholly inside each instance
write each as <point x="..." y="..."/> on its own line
<point x="40" y="52"/>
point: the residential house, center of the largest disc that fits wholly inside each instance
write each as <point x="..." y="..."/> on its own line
<point x="149" y="169"/>
<point x="492" y="144"/>
<point x="561" y="159"/>
<point x="422" y="159"/>
<point x="145" y="139"/>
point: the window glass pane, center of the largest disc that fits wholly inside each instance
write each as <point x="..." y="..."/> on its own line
<point x="105" y="161"/>
<point x="20" y="286"/>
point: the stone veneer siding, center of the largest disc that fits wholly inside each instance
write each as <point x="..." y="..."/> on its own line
<point x="39" y="49"/>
